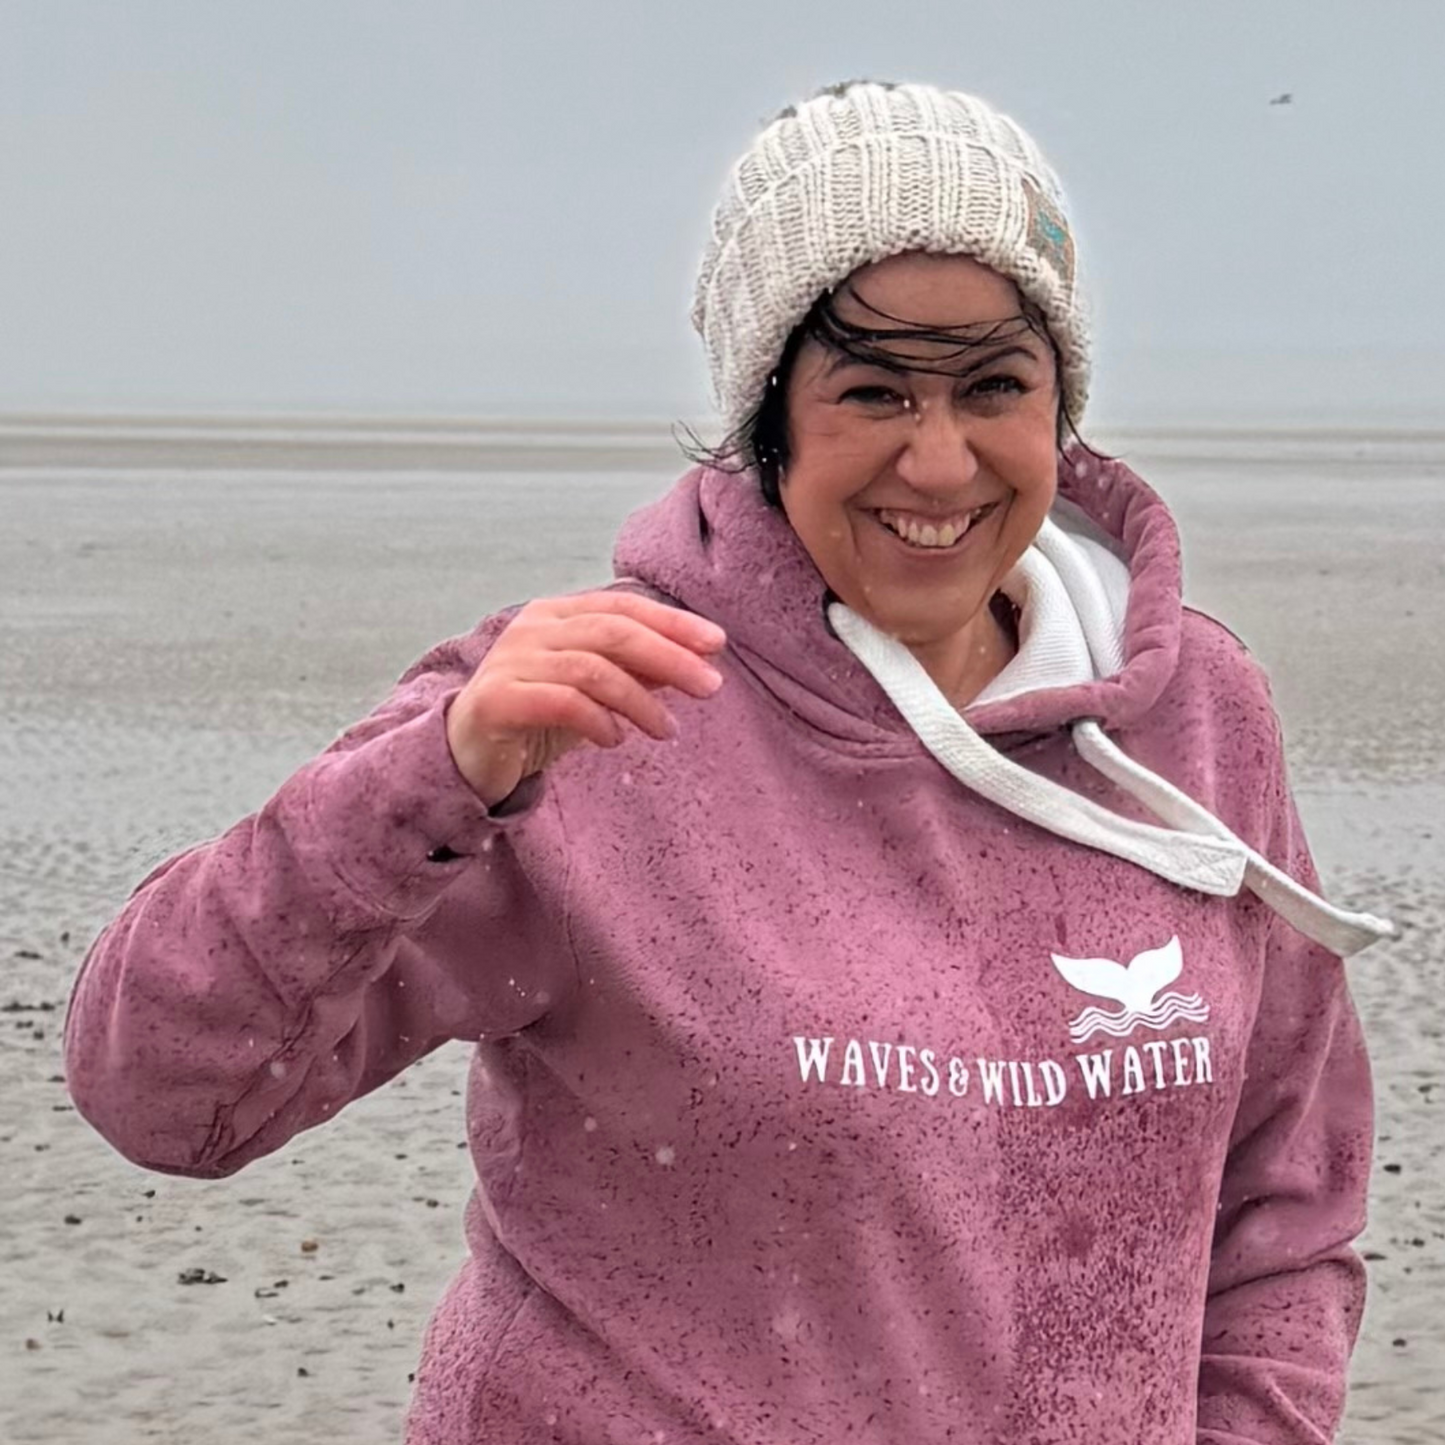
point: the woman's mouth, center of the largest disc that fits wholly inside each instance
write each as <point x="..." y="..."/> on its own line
<point x="935" y="534"/>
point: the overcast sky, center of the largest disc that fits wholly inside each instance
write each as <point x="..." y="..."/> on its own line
<point x="455" y="206"/>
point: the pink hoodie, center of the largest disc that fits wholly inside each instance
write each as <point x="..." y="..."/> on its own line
<point x="816" y="1098"/>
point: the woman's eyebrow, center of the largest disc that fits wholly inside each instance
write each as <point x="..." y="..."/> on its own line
<point x="1029" y="353"/>
<point x="841" y="359"/>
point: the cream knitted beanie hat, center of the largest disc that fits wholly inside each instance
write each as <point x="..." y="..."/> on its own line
<point x="863" y="172"/>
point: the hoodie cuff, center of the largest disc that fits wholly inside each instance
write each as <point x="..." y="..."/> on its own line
<point x="399" y="821"/>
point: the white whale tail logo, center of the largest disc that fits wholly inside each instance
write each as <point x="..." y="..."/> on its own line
<point x="1135" y="987"/>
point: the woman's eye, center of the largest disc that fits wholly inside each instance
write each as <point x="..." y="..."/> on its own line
<point x="998" y="386"/>
<point x="873" y="396"/>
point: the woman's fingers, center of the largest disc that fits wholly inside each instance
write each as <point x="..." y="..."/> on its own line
<point x="573" y="669"/>
<point x="557" y="710"/>
<point x="636" y="647"/>
<point x="685" y="628"/>
<point x="602" y="682"/>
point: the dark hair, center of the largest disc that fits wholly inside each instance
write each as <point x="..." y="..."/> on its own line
<point x="761" y="444"/>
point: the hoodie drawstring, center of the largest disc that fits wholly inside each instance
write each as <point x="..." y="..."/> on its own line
<point x="1197" y="851"/>
<point x="1337" y="929"/>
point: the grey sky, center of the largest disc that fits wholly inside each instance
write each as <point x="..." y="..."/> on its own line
<point x="462" y="207"/>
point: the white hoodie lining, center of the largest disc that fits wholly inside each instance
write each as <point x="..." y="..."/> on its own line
<point x="1072" y="591"/>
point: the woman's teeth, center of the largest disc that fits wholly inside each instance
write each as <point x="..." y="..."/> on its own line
<point x="929" y="534"/>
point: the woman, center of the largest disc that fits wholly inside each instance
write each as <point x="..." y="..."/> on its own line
<point x="903" y="1014"/>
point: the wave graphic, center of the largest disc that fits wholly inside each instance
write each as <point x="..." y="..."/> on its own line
<point x="1167" y="1009"/>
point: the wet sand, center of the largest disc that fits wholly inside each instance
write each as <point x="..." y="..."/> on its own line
<point x="174" y="642"/>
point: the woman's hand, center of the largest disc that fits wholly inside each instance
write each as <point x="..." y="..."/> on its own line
<point x="569" y="670"/>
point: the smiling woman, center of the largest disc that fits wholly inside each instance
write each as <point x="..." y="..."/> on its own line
<point x="902" y="1002"/>
<point x="923" y="459"/>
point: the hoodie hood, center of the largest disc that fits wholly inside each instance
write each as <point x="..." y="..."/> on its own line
<point x="1100" y="624"/>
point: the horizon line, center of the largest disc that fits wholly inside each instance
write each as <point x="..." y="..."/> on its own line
<point x="417" y="442"/>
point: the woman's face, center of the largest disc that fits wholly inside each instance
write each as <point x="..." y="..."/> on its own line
<point x="916" y="492"/>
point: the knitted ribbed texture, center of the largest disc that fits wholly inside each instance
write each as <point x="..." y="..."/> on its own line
<point x="1072" y="592"/>
<point x="854" y="178"/>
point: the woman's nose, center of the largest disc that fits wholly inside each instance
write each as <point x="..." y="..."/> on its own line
<point x="938" y="458"/>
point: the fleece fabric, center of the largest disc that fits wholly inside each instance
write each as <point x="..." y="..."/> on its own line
<point x="815" y="1097"/>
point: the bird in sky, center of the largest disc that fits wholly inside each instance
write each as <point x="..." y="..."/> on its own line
<point x="1286" y="99"/>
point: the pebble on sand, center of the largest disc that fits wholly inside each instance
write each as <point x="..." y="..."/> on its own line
<point x="200" y="1276"/>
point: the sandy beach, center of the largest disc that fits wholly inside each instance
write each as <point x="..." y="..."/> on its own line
<point x="183" y="623"/>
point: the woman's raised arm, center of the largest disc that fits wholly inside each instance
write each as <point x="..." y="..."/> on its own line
<point x="373" y="909"/>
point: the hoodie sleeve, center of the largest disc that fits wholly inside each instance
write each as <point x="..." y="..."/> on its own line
<point x="1286" y="1289"/>
<point x="373" y="909"/>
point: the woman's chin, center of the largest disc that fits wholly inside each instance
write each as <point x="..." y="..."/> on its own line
<point x="919" y="629"/>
